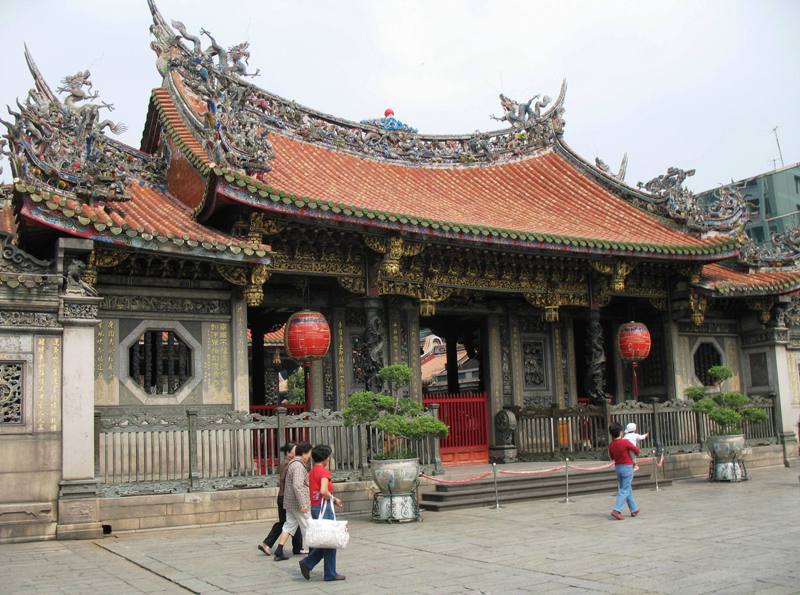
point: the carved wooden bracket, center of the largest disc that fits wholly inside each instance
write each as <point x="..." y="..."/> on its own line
<point x="694" y="272"/>
<point x="89" y="274"/>
<point x="698" y="304"/>
<point x="617" y="270"/>
<point x="763" y="306"/>
<point x="393" y="249"/>
<point x="353" y="284"/>
<point x="261" y="226"/>
<point x="252" y="280"/>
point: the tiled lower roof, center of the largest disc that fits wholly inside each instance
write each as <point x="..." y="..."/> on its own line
<point x="151" y="216"/>
<point x="729" y="280"/>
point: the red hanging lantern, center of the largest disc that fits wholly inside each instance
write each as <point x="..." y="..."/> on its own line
<point x="307" y="336"/>
<point x="634" y="343"/>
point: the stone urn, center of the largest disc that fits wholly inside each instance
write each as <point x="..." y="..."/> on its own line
<point x="727" y="451"/>
<point x="396" y="476"/>
<point x="397" y="500"/>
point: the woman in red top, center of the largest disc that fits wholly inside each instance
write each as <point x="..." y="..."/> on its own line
<point x="320" y="486"/>
<point x="620" y="451"/>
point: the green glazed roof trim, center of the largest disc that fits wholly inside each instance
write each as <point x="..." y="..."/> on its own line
<point x="266" y="192"/>
<point x="58" y="203"/>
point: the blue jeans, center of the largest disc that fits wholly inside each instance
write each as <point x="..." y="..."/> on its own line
<point x="625" y="494"/>
<point x="317" y="554"/>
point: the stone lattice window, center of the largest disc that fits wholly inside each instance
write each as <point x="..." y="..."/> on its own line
<point x="533" y="365"/>
<point x="160" y="362"/>
<point x="705" y="356"/>
<point x="11" y="392"/>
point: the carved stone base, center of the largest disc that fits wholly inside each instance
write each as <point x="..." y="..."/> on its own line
<point x="395" y="508"/>
<point x="788" y="440"/>
<point x="503" y="454"/>
<point x="78" y="510"/>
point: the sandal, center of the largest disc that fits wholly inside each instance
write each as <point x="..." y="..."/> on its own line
<point x="264" y="548"/>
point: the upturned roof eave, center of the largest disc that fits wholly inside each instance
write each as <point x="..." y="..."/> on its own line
<point x="256" y="194"/>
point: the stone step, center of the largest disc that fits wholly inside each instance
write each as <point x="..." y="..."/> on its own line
<point x="452" y="501"/>
<point x="524" y="481"/>
<point x="443" y="492"/>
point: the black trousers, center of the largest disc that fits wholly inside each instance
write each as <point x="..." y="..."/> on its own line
<point x="275" y="532"/>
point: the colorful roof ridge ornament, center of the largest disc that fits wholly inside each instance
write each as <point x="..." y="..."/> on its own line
<point x="390" y="123"/>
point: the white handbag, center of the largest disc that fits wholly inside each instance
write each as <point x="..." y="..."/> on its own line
<point x="327" y="533"/>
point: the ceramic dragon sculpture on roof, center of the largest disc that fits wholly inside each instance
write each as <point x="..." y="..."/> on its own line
<point x="62" y="144"/>
<point x="236" y="132"/>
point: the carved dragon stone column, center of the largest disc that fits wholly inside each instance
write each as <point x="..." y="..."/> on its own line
<point x="595" y="381"/>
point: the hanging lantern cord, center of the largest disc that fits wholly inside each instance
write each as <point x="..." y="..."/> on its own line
<point x="635" y="365"/>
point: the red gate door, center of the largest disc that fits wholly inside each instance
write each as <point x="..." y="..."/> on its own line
<point x="465" y="414"/>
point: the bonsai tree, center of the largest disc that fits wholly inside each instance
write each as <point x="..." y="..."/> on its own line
<point x="395" y="415"/>
<point x="728" y="410"/>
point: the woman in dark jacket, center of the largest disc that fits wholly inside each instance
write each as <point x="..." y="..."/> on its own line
<point x="274" y="533"/>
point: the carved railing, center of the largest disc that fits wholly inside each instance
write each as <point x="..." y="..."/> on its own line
<point x="550" y="432"/>
<point x="151" y="454"/>
<point x="581" y="432"/>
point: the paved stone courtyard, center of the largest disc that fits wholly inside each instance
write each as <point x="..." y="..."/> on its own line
<point x="692" y="537"/>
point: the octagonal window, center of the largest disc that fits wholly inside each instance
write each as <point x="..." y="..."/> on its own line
<point x="705" y="356"/>
<point x="160" y="362"/>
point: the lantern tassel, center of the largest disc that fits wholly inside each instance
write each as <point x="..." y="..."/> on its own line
<point x="635" y="381"/>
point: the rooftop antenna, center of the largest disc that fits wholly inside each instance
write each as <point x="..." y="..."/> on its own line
<point x="778" y="142"/>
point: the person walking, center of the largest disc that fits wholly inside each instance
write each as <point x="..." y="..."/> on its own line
<point x="295" y="498"/>
<point x="321" y="487"/>
<point x="297" y="539"/>
<point x="620" y="451"/>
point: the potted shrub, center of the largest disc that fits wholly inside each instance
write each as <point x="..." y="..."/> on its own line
<point x="729" y="411"/>
<point x="395" y="468"/>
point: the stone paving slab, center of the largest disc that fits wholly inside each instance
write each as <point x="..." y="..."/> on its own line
<point x="692" y="537"/>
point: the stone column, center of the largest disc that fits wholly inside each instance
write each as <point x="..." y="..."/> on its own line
<point x="339" y="339"/>
<point x="558" y="369"/>
<point x="317" y="385"/>
<point x="412" y="321"/>
<point x="257" y="354"/>
<point x="241" y="389"/>
<point x="452" y="361"/>
<point x="493" y="373"/>
<point x="780" y="372"/>
<point x="78" y="509"/>
<point x="517" y="379"/>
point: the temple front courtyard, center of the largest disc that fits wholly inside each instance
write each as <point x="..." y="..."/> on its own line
<point x="692" y="537"/>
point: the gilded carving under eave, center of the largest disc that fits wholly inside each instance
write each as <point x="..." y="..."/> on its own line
<point x="617" y="270"/>
<point x="174" y="305"/>
<point x="261" y="225"/>
<point x="393" y="249"/>
<point x="698" y="304"/>
<point x="353" y="284"/>
<point x="763" y="306"/>
<point x="109" y="259"/>
<point x="252" y="280"/>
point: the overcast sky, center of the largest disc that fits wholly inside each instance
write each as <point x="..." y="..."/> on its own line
<point x="695" y="84"/>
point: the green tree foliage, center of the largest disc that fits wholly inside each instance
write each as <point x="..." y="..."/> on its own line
<point x="297" y="387"/>
<point x="729" y="410"/>
<point x="396" y="416"/>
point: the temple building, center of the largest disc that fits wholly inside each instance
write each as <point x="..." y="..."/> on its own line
<point x="157" y="279"/>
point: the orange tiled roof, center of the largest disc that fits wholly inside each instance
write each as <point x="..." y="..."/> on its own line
<point x="273" y="339"/>
<point x="542" y="194"/>
<point x="725" y="280"/>
<point x="151" y="214"/>
<point x="542" y="199"/>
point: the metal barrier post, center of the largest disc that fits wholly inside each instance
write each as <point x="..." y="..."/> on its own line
<point x="566" y="499"/>
<point x="496" y="494"/>
<point x="655" y="468"/>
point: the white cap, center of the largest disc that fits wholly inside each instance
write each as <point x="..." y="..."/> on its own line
<point x="631" y="427"/>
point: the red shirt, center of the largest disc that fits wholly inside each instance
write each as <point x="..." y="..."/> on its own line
<point x="620" y="450"/>
<point x="315" y="483"/>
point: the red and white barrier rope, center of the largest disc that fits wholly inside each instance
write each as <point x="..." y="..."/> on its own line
<point x="536" y="471"/>
<point x="457" y="481"/>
